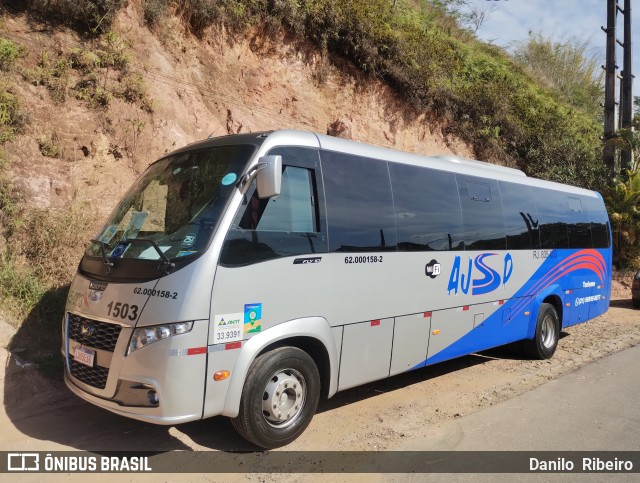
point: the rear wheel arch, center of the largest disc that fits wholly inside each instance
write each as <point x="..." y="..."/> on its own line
<point x="551" y="296"/>
<point x="547" y="334"/>
<point x="556" y="302"/>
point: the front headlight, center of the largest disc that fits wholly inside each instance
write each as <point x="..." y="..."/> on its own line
<point x="144" y="336"/>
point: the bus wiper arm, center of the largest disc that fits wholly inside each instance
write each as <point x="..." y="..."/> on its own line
<point x="103" y="250"/>
<point x="165" y="261"/>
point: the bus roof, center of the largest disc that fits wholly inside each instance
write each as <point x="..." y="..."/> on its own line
<point x="445" y="162"/>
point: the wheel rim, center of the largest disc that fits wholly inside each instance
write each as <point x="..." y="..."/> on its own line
<point x="283" y="398"/>
<point x="548" y="332"/>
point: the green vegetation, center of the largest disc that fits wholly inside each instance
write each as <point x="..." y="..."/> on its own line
<point x="20" y="288"/>
<point x="9" y="52"/>
<point x="8" y="200"/>
<point x="113" y="52"/>
<point x="629" y="140"/>
<point x="95" y="73"/>
<point x="12" y="118"/>
<point x="50" y="145"/>
<point x="566" y="66"/>
<point x="51" y="72"/>
<point x="623" y="202"/>
<point x="134" y="91"/>
<point x="35" y="271"/>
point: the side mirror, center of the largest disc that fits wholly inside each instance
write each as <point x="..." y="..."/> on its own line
<point x="269" y="177"/>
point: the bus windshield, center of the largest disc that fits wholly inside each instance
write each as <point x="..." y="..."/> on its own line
<point x="172" y="209"/>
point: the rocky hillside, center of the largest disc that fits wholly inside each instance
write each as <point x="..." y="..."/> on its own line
<point x="171" y="88"/>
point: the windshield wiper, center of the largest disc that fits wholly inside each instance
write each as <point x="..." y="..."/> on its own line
<point x="103" y="250"/>
<point x="168" y="264"/>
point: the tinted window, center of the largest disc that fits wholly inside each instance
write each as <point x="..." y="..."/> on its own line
<point x="292" y="210"/>
<point x="360" y="213"/>
<point x="285" y="225"/>
<point x="520" y="216"/>
<point x="579" y="226"/>
<point x="481" y="213"/>
<point x="599" y="221"/>
<point x="553" y="211"/>
<point x="427" y="209"/>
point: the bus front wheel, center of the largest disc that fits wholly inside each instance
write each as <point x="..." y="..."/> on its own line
<point x="279" y="397"/>
<point x="545" y="341"/>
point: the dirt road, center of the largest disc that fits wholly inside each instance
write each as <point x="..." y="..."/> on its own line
<point x="41" y="415"/>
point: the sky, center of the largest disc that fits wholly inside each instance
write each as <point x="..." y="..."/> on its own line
<point x="511" y="20"/>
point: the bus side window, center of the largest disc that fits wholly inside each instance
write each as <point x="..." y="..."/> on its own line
<point x="285" y="225"/>
<point x="579" y="226"/>
<point x="360" y="213"/>
<point x="427" y="209"/>
<point x="553" y="210"/>
<point x="520" y="216"/>
<point x="291" y="211"/>
<point x="482" y="217"/>
<point x="599" y="222"/>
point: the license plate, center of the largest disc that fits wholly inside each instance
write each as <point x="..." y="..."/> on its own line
<point x="84" y="356"/>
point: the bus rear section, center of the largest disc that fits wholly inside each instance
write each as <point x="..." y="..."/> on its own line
<point x="268" y="276"/>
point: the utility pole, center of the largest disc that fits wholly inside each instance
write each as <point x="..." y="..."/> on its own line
<point x="610" y="89"/>
<point x="626" y="94"/>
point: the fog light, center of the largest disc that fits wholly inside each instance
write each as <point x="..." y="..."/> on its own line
<point x="221" y="375"/>
<point x="153" y="398"/>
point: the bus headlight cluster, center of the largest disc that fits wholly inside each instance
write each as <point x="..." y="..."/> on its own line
<point x="144" y="336"/>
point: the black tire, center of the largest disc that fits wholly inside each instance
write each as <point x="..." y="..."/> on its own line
<point x="636" y="303"/>
<point x="545" y="341"/>
<point x="279" y="398"/>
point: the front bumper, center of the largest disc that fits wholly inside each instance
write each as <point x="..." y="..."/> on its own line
<point x="165" y="367"/>
<point x="141" y="414"/>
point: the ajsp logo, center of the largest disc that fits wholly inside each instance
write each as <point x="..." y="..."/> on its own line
<point x="485" y="278"/>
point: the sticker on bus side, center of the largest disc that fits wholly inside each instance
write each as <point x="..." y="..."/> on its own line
<point x="252" y="318"/>
<point x="227" y="328"/>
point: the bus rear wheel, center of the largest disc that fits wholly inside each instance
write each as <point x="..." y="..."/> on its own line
<point x="545" y="341"/>
<point x="279" y="398"/>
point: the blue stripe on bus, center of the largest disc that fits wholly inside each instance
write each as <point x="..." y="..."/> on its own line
<point x="563" y="270"/>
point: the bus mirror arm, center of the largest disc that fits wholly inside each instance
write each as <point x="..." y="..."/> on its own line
<point x="268" y="176"/>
